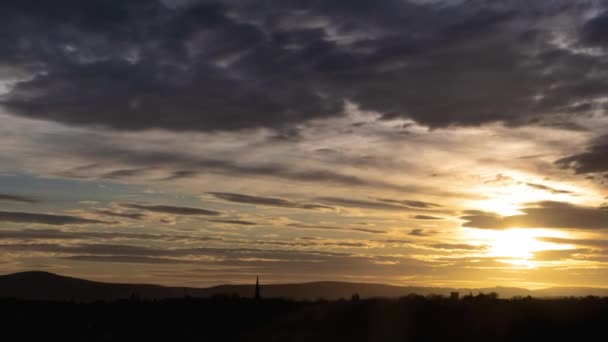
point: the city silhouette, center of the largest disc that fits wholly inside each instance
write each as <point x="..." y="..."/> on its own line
<point x="141" y="313"/>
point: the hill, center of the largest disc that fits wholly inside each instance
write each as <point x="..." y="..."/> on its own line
<point x="48" y="286"/>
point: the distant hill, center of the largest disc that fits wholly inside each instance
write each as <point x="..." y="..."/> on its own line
<point x="48" y="286"/>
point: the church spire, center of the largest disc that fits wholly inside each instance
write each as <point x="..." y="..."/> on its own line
<point x="257" y="288"/>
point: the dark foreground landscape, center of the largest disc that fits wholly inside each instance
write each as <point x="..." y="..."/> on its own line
<point x="139" y="313"/>
<point x="412" y="318"/>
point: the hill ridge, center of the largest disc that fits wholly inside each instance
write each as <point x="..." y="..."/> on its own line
<point x="43" y="285"/>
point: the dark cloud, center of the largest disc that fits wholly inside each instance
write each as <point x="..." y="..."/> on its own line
<point x="595" y="31"/>
<point x="44" y="237"/>
<point x="104" y="151"/>
<point x="599" y="243"/>
<point x="237" y="222"/>
<point x="269" y="260"/>
<point x="595" y="159"/>
<point x="173" y="210"/>
<point x="128" y="259"/>
<point x="409" y="203"/>
<point x="370" y="231"/>
<point x="51" y="234"/>
<point x="548" y="188"/>
<point x="386" y="205"/>
<point x="132" y="250"/>
<point x="118" y="174"/>
<point x="347" y="244"/>
<point x="421" y="232"/>
<point x="164" y="59"/>
<point x="542" y="215"/>
<point x="94" y="249"/>
<point x="358" y="203"/>
<point x="426" y="217"/>
<point x="56" y="220"/>
<point x="238" y="64"/>
<point x="181" y="174"/>
<point x="475" y="262"/>
<point x="458" y="246"/>
<point x="266" y="201"/>
<point x="325" y="227"/>
<point x="16" y="198"/>
<point x="398" y="242"/>
<point x="131" y="216"/>
<point x="563" y="254"/>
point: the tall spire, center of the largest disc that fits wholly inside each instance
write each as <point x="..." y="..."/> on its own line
<point x="257" y="288"/>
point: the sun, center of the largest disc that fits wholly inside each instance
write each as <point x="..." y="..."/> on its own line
<point x="517" y="245"/>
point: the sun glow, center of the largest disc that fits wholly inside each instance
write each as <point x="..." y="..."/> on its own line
<point x="513" y="191"/>
<point x="507" y="200"/>
<point x="517" y="243"/>
<point x="516" y="246"/>
<point x="501" y="206"/>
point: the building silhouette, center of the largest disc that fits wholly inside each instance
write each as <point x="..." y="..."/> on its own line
<point x="257" y="288"/>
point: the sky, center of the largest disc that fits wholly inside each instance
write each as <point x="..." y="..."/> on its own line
<point x="457" y="143"/>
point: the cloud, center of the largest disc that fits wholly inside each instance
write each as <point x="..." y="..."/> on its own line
<point x="234" y="64"/>
<point x="56" y="220"/>
<point x="421" y="232"/>
<point x="131" y="216"/>
<point x="181" y="174"/>
<point x="410" y="203"/>
<point x="126" y="259"/>
<point x="213" y="254"/>
<point x="38" y="235"/>
<point x="595" y="159"/>
<point x="167" y="209"/>
<point x="595" y="31"/>
<point x="370" y="231"/>
<point x="542" y="215"/>
<point x="458" y="246"/>
<point x="17" y="199"/>
<point x="475" y="262"/>
<point x="273" y="261"/>
<point x="347" y="244"/>
<point x="51" y="234"/>
<point x="564" y="254"/>
<point x="118" y="174"/>
<point x="44" y="237"/>
<point x="237" y="222"/>
<point x="324" y="227"/>
<point x="600" y="243"/>
<point x="426" y="217"/>
<point x="358" y="203"/>
<point x="92" y="249"/>
<point x="397" y="242"/>
<point x="548" y="188"/>
<point x="162" y="71"/>
<point x="191" y="165"/>
<point x="266" y="201"/>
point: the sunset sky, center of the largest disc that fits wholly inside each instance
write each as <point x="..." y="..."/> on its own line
<point x="459" y="143"/>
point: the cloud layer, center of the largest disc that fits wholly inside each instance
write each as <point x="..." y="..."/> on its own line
<point x="543" y="215"/>
<point x="447" y="143"/>
<point x="235" y="64"/>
